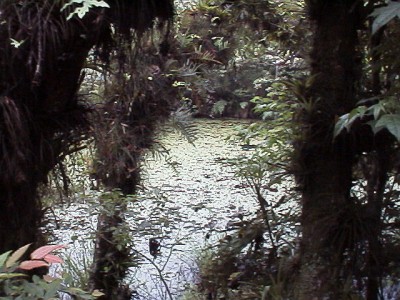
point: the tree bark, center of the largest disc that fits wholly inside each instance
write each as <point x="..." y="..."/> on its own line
<point x="324" y="165"/>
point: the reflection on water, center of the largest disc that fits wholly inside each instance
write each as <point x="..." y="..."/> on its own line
<point x="179" y="207"/>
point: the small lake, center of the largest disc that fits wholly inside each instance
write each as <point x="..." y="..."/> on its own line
<point x="188" y="198"/>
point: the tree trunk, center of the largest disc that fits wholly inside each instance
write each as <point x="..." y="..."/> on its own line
<point x="377" y="176"/>
<point x="126" y="130"/>
<point x="324" y="166"/>
<point x="20" y="217"/>
<point x="41" y="58"/>
<point x="39" y="112"/>
<point x="112" y="256"/>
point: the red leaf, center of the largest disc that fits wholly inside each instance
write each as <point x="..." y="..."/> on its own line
<point x="41" y="252"/>
<point x="32" y="264"/>
<point x="53" y="259"/>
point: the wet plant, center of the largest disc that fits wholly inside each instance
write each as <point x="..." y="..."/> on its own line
<point x="17" y="281"/>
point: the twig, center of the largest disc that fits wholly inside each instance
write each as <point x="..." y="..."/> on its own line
<point x="159" y="271"/>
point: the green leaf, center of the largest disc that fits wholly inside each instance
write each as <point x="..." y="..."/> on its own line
<point x="97" y="293"/>
<point x="347" y="120"/>
<point x="384" y="15"/>
<point x="243" y="105"/>
<point x="378" y="109"/>
<point x="16" y="44"/>
<point x="391" y="123"/>
<point x="52" y="289"/>
<point x="10" y="275"/>
<point x="357" y="112"/>
<point x="340" y="125"/>
<point x="3" y="258"/>
<point x="84" y="9"/>
<point x="81" y="294"/>
<point x="374" y="128"/>
<point x="219" y="107"/>
<point x="16" y="256"/>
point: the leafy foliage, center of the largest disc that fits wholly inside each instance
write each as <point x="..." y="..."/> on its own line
<point x="86" y="6"/>
<point x="15" y="284"/>
<point x="377" y="116"/>
<point x="224" y="65"/>
<point x="383" y="15"/>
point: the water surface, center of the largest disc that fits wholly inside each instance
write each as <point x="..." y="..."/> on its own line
<point x="184" y="207"/>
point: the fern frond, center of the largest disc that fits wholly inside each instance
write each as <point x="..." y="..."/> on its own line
<point x="181" y="121"/>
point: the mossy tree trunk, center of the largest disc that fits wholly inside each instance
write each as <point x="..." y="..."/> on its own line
<point x="325" y="165"/>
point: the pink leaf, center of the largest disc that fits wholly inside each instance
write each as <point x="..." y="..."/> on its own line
<point x="41" y="252"/>
<point x="53" y="259"/>
<point x="32" y="264"/>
